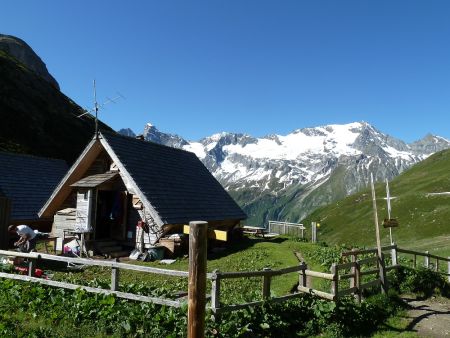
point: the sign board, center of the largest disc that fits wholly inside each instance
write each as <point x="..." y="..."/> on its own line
<point x="390" y="223"/>
<point x="219" y="235"/>
<point x="84" y="210"/>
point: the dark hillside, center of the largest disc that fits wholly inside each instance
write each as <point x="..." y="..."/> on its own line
<point x="36" y="118"/>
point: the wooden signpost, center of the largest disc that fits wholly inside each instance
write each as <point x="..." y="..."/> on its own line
<point x="197" y="279"/>
<point x="377" y="231"/>
<point x="219" y="235"/>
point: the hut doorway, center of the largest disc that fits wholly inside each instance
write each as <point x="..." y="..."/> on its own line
<point x="111" y="215"/>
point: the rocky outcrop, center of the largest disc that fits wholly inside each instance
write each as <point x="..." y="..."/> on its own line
<point x="36" y="118"/>
<point x="21" y="51"/>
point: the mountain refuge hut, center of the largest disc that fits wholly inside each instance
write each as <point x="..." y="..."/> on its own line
<point x="124" y="193"/>
<point x="26" y="182"/>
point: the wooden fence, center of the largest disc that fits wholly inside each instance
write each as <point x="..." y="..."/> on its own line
<point x="34" y="257"/>
<point x="347" y="278"/>
<point x="427" y="262"/>
<point x="285" y="228"/>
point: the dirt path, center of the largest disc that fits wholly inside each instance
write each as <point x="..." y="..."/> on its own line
<point x="430" y="317"/>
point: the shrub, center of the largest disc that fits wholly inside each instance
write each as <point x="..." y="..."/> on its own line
<point x="422" y="281"/>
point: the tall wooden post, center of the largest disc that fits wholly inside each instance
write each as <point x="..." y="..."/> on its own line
<point x="377" y="231"/>
<point x="313" y="232"/>
<point x="197" y="279"/>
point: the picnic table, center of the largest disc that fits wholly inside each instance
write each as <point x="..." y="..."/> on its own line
<point x="256" y="231"/>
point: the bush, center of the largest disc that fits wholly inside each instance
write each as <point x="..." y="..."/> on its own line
<point x="41" y="311"/>
<point x="422" y="281"/>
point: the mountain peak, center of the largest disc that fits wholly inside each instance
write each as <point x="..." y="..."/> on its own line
<point x="152" y="134"/>
<point x="430" y="144"/>
<point x="21" y="51"/>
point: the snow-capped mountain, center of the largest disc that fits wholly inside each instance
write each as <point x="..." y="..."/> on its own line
<point x="288" y="176"/>
<point x="151" y="133"/>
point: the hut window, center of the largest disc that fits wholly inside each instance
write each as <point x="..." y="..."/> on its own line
<point x="85" y="195"/>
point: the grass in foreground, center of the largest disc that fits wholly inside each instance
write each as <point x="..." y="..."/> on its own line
<point x="38" y="311"/>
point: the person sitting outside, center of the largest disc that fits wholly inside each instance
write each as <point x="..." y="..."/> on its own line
<point x="27" y="237"/>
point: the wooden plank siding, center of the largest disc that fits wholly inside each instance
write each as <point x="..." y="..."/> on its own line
<point x="5" y="211"/>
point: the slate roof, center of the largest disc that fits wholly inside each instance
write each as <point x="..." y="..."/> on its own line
<point x="95" y="180"/>
<point x="28" y="181"/>
<point x="174" y="181"/>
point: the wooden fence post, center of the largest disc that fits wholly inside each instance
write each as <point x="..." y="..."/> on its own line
<point x="31" y="266"/>
<point x="394" y="254"/>
<point x="353" y="271"/>
<point x="215" y="290"/>
<point x="266" y="284"/>
<point x="358" y="281"/>
<point x="115" y="278"/>
<point x="302" y="281"/>
<point x="448" y="269"/>
<point x="335" y="281"/>
<point x="197" y="279"/>
<point x="384" y="286"/>
<point x="427" y="259"/>
<point x="415" y="261"/>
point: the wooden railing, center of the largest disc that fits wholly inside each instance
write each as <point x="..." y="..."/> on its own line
<point x="266" y="275"/>
<point x="286" y="228"/>
<point x="357" y="275"/>
<point x="427" y="260"/>
<point x="34" y="257"/>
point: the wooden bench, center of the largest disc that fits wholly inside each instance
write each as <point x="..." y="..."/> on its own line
<point x="256" y="231"/>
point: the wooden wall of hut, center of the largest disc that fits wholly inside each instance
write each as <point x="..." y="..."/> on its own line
<point x="5" y="211"/>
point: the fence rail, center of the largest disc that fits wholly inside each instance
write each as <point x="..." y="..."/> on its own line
<point x="34" y="258"/>
<point x="352" y="271"/>
<point x="427" y="260"/>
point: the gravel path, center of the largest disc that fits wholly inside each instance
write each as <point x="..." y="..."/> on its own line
<point x="430" y="317"/>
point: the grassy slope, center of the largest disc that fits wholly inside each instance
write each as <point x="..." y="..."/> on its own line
<point x="424" y="221"/>
<point x="250" y="254"/>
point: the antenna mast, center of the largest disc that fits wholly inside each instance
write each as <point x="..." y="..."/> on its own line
<point x="97" y="107"/>
<point x="96" y="111"/>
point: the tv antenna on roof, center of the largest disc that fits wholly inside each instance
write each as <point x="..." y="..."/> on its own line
<point x="97" y="107"/>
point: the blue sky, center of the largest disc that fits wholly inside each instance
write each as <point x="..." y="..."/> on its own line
<point x="199" y="67"/>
